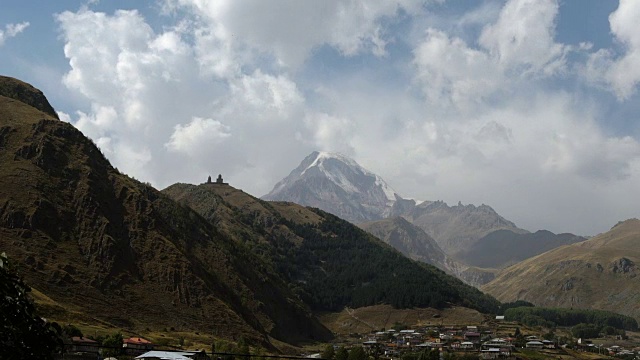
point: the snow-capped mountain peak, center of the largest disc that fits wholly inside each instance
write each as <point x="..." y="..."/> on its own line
<point x="337" y="184"/>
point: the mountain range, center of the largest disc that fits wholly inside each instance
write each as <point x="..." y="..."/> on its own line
<point x="470" y="242"/>
<point x="339" y="185"/>
<point x="101" y="247"/>
<point x="502" y="248"/>
<point x="107" y="249"/>
<point x="416" y="244"/>
<point x="598" y="273"/>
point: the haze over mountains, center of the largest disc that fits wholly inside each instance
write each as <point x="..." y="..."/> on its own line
<point x="474" y="242"/>
<point x="416" y="244"/>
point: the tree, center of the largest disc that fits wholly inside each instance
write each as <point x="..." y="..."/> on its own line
<point x="357" y="353"/>
<point x="112" y="344"/>
<point x="429" y="354"/>
<point x="71" y="330"/>
<point x="23" y="334"/>
<point x="585" y="331"/>
<point x="328" y="353"/>
<point x="342" y="354"/>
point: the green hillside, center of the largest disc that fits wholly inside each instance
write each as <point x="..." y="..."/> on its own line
<point x="329" y="262"/>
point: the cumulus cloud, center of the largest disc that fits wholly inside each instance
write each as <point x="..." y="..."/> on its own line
<point x="618" y="70"/>
<point x="290" y="30"/>
<point x="197" y="136"/>
<point x="11" y="30"/>
<point x="522" y="40"/>
<point x="331" y="133"/>
<point x="225" y="88"/>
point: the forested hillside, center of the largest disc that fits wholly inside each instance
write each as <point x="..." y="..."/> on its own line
<point x="330" y="262"/>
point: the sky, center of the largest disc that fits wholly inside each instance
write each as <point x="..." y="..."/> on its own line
<point x="529" y="106"/>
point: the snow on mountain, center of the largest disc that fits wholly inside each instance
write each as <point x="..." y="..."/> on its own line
<point x="339" y="185"/>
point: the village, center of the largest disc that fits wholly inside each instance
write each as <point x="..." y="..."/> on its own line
<point x="497" y="340"/>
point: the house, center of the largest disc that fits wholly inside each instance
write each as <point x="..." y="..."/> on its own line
<point x="496" y="344"/>
<point x="369" y="344"/>
<point x="472" y="336"/>
<point x="84" y="345"/>
<point x="467" y="346"/>
<point x="534" y="345"/>
<point x="548" y="344"/>
<point x="490" y="353"/>
<point x="136" y="345"/>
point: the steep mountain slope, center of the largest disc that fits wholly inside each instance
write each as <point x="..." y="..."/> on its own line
<point x="599" y="273"/>
<point x="416" y="244"/>
<point x="455" y="228"/>
<point x="328" y="261"/>
<point x="410" y="240"/>
<point x="338" y="185"/>
<point x="111" y="247"/>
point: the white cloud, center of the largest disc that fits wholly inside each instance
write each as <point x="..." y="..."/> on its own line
<point x="522" y="40"/>
<point x="330" y="133"/>
<point x="266" y="93"/>
<point x="619" y="72"/>
<point x="452" y="72"/>
<point x="625" y="72"/>
<point x="198" y="136"/>
<point x="225" y="88"/>
<point x="290" y="29"/>
<point x="11" y="30"/>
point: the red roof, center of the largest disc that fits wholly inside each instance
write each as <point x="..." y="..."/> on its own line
<point x="136" y="340"/>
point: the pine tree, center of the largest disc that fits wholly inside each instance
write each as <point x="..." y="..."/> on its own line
<point x="23" y="334"/>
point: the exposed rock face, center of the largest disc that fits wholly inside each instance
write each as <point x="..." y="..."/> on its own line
<point x="623" y="266"/>
<point x="599" y="273"/>
<point x="476" y="276"/>
<point x="338" y="185"/>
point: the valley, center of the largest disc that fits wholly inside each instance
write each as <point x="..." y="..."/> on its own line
<point x="332" y="255"/>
